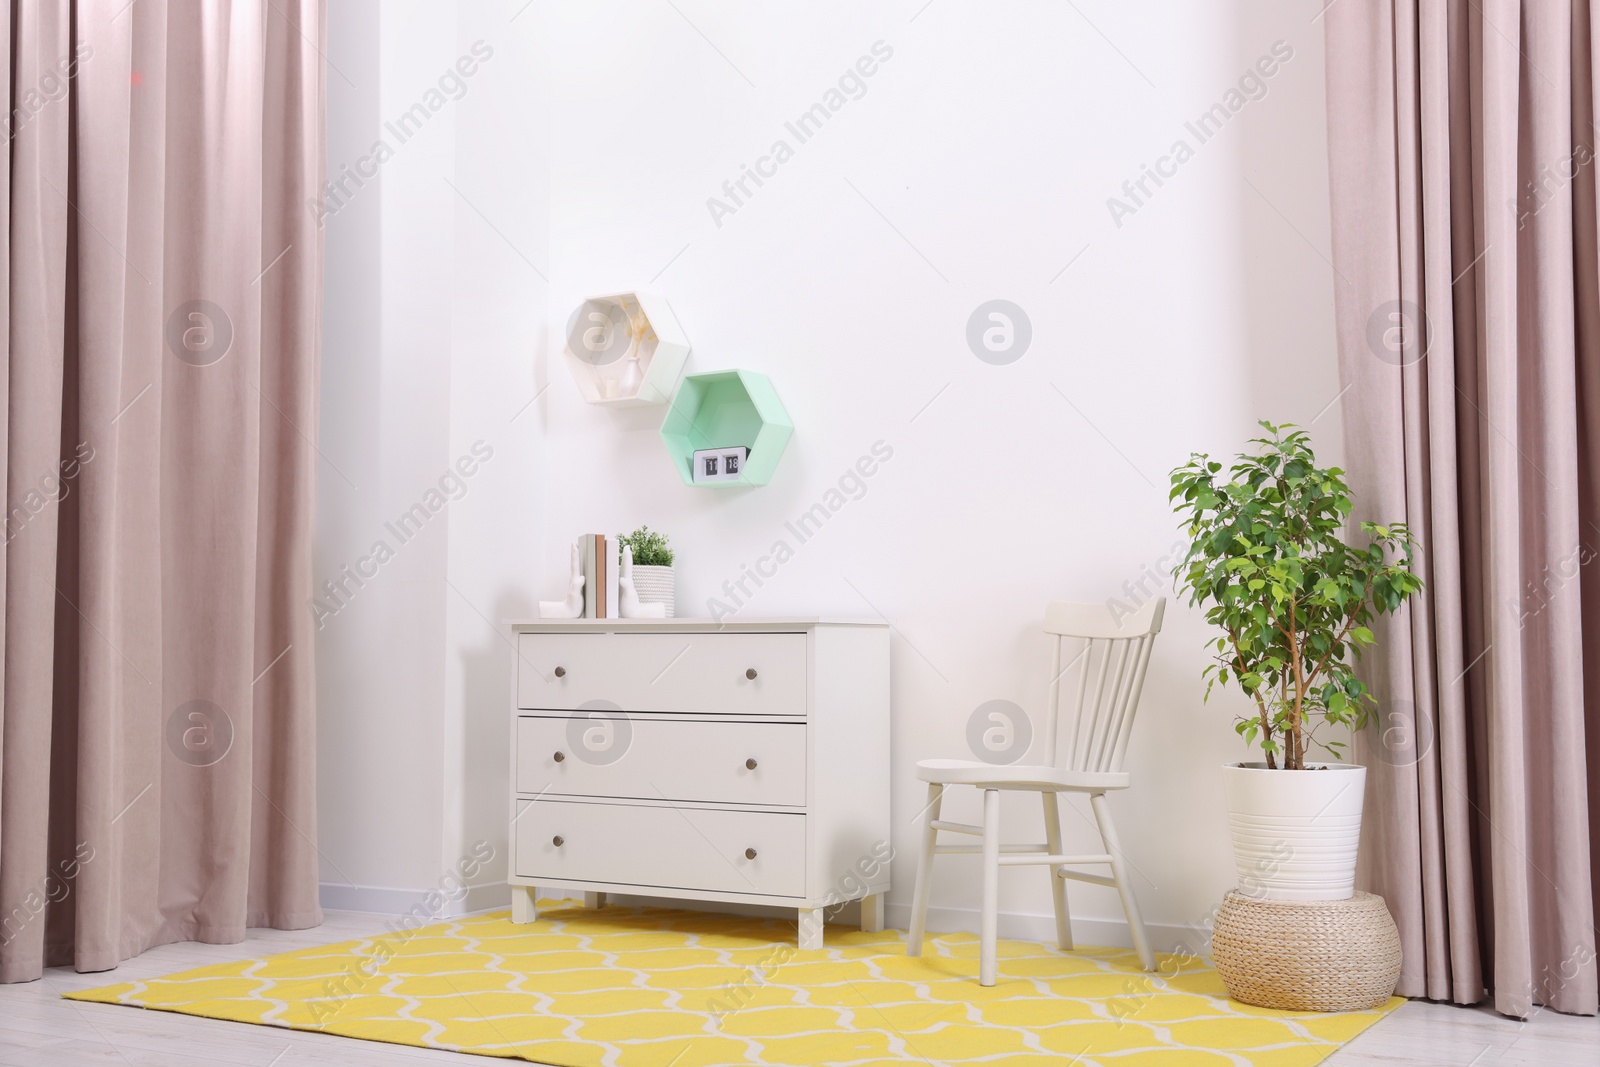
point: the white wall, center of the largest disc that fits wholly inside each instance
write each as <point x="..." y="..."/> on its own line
<point x="435" y="314"/>
<point x="976" y="165"/>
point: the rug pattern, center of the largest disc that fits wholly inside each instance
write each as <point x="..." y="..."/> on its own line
<point x="637" y="987"/>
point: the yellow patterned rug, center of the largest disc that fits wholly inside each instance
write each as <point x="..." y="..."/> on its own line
<point x="639" y="987"/>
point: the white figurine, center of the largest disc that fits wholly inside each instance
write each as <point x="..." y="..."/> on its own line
<point x="572" y="607"/>
<point x="628" y="603"/>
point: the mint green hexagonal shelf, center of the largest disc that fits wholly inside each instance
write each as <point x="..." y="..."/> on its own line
<point x="725" y="409"/>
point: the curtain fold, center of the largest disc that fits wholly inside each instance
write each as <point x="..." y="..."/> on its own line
<point x="1461" y="142"/>
<point x="162" y="313"/>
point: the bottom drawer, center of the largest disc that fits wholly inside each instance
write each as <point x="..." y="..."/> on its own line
<point x="669" y="847"/>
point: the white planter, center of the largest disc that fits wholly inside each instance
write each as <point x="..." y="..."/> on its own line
<point x="656" y="585"/>
<point x="1295" y="833"/>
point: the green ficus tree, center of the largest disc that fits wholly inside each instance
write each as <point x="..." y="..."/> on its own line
<point x="1292" y="600"/>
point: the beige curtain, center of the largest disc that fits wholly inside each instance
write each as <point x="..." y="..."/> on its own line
<point x="1462" y="144"/>
<point x="161" y="302"/>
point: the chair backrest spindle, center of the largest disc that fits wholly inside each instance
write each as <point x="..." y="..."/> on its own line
<point x="1145" y="645"/>
<point x="1108" y="719"/>
<point x="1055" y="699"/>
<point x="1078" y="718"/>
<point x="1099" y="720"/>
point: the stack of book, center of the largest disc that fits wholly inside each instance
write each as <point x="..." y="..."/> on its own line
<point x="602" y="564"/>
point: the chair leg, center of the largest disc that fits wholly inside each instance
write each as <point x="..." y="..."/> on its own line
<point x="1119" y="871"/>
<point x="919" y="897"/>
<point x="1058" y="884"/>
<point x="989" y="927"/>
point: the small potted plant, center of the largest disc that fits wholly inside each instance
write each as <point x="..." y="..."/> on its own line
<point x="652" y="567"/>
<point x="1292" y="601"/>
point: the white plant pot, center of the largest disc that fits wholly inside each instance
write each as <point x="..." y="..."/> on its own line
<point x="656" y="585"/>
<point x="1295" y="833"/>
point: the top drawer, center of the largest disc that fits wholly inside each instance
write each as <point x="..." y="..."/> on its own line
<point x="731" y="673"/>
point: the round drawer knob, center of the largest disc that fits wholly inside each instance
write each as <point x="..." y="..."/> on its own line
<point x="559" y="756"/>
<point x="749" y="764"/>
<point x="749" y="853"/>
<point x="561" y="672"/>
<point x="750" y="674"/>
<point x="558" y="841"/>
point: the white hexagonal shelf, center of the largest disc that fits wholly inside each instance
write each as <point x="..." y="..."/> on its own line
<point x="626" y="349"/>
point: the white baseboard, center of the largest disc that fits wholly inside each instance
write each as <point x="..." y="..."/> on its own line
<point x="1111" y="933"/>
<point x="379" y="900"/>
<point x="1164" y="937"/>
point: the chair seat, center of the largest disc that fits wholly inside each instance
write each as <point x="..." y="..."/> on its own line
<point x="1018" y="776"/>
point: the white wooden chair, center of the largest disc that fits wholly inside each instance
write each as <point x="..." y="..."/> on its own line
<point x="1094" y="734"/>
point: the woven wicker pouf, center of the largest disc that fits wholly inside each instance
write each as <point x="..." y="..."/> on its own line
<point x="1311" y="955"/>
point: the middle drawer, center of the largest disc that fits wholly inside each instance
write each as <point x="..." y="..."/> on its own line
<point x="663" y="759"/>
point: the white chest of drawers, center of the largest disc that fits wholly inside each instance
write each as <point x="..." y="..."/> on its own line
<point x="740" y="762"/>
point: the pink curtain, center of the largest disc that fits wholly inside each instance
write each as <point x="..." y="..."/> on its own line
<point x="1462" y="142"/>
<point x="161" y="302"/>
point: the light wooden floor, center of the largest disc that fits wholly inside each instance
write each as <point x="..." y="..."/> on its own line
<point x="39" y="1029"/>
